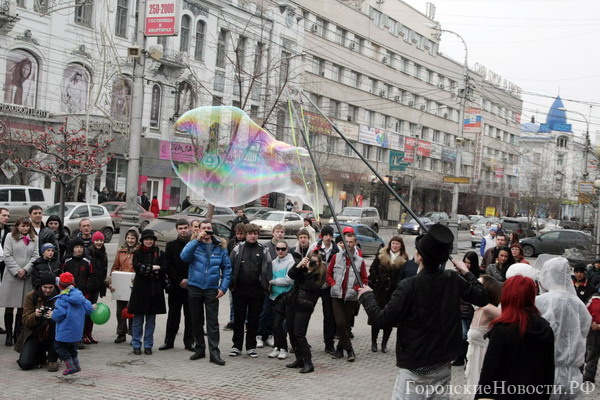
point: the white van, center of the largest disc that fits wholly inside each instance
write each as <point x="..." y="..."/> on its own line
<point x="17" y="199"/>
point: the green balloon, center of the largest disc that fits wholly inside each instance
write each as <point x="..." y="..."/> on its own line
<point x="101" y="314"/>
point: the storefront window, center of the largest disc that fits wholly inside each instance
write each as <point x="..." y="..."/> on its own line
<point x="116" y="175"/>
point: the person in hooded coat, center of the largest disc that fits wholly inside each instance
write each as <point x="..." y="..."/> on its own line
<point x="570" y="321"/>
<point x="60" y="235"/>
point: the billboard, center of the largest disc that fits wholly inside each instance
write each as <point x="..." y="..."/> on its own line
<point x="162" y="18"/>
<point x="472" y="120"/>
<point x="373" y="136"/>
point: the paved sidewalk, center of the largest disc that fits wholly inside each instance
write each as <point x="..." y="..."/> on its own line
<point x="111" y="371"/>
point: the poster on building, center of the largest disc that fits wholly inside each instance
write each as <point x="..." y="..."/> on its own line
<point x="349" y="129"/>
<point x="436" y="151"/>
<point x="162" y="17"/>
<point x="373" y="136"/>
<point x="500" y="171"/>
<point x="472" y="120"/>
<point x="449" y="155"/>
<point x="396" y="141"/>
<point x="424" y="148"/>
<point x="318" y="124"/>
<point x="178" y="151"/>
<point x="490" y="211"/>
<point x="74" y="89"/>
<point x="155" y="106"/>
<point x="21" y="77"/>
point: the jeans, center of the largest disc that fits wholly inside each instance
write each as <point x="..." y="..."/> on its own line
<point x="411" y="386"/>
<point x="230" y="307"/>
<point x="148" y="331"/>
<point x="265" y="328"/>
<point x="123" y="325"/>
<point x="245" y="306"/>
<point x="178" y="298"/>
<point x="297" y="323"/>
<point x="592" y="355"/>
<point x="329" y="327"/>
<point x="66" y="350"/>
<point x="199" y="300"/>
<point x="33" y="352"/>
<point x="343" y="311"/>
<point x="466" y="323"/>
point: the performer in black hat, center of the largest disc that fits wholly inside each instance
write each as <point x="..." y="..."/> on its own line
<point x="426" y="310"/>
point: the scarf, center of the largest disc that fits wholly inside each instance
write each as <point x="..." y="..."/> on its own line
<point x="26" y="240"/>
<point x="393" y="256"/>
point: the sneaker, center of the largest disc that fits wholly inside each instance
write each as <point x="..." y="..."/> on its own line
<point x="282" y="354"/>
<point x="52" y="367"/>
<point x="271" y="341"/>
<point x="234" y="352"/>
<point x="229" y="326"/>
<point x="259" y="342"/>
<point x="274" y="353"/>
<point x="252" y="353"/>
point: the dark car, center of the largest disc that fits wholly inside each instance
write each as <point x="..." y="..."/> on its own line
<point x="520" y="226"/>
<point x="556" y="242"/>
<point x="413" y="227"/>
<point x="369" y="241"/>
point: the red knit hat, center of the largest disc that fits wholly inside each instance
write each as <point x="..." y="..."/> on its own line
<point x="66" y="280"/>
<point x="97" y="236"/>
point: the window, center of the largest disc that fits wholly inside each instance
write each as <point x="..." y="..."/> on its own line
<point x="436" y="136"/>
<point x="380" y="154"/>
<point x="560" y="159"/>
<point x="83" y="13"/>
<point x="331" y="144"/>
<point x="340" y="36"/>
<point x="97" y="211"/>
<point x="258" y="50"/>
<point x="240" y="52"/>
<point x="348" y="150"/>
<point x="561" y="142"/>
<point x="254" y="111"/>
<point x="200" y="33"/>
<point x="366" y="151"/>
<point x="222" y="48"/>
<point x="352" y="111"/>
<point x="121" y="19"/>
<point x="36" y="195"/>
<point x="3" y="195"/>
<point x="358" y="80"/>
<point x="370" y="117"/>
<point x="321" y="27"/>
<point x="81" y="212"/>
<point x="334" y="108"/>
<point x="21" y="3"/>
<point x="219" y="81"/>
<point x="284" y="68"/>
<point x="217" y="101"/>
<point x="337" y="73"/>
<point x="279" y="128"/>
<point x="163" y="41"/>
<point x="184" y="41"/>
<point x="17" y="195"/>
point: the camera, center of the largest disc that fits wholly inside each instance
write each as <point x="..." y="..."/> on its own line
<point x="209" y="233"/>
<point x="312" y="264"/>
<point x="44" y="310"/>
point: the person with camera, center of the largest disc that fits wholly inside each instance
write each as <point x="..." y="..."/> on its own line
<point x="309" y="276"/>
<point x="209" y="275"/>
<point x="147" y="297"/>
<point x="36" y="341"/>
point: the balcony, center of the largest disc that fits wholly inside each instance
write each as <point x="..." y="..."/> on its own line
<point x="8" y="15"/>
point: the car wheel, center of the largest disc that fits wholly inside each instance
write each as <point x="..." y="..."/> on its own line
<point x="143" y="225"/>
<point x="108" y="234"/>
<point x="528" y="250"/>
<point x="376" y="228"/>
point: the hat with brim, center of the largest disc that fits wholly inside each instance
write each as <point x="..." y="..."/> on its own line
<point x="435" y="246"/>
<point x="148" y="234"/>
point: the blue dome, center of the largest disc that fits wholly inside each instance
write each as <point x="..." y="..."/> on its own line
<point x="556" y="115"/>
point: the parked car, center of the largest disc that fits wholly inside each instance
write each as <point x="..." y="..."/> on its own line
<point x="551" y="225"/>
<point x="75" y="212"/>
<point x="518" y="225"/>
<point x="474" y="217"/>
<point x="256" y="212"/>
<point x="566" y="224"/>
<point x="309" y="214"/>
<point x="464" y="222"/>
<point x="477" y="229"/>
<point x="369" y="240"/>
<point x="290" y="221"/>
<point x="116" y="208"/>
<point x="165" y="230"/>
<point x="413" y="227"/>
<point x="360" y="215"/>
<point x="438" y="216"/>
<point x="556" y="242"/>
<point x="17" y="199"/>
<point x="221" y="214"/>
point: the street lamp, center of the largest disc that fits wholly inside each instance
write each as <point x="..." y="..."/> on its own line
<point x="453" y="224"/>
<point x="585" y="152"/>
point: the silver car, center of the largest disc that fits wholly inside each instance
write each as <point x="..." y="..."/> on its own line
<point x="360" y="215"/>
<point x="75" y="212"/>
<point x="291" y="221"/>
<point x="478" y="230"/>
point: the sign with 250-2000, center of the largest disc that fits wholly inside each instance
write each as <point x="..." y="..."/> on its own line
<point x="162" y="17"/>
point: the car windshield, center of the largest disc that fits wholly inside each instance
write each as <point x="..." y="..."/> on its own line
<point x="194" y="210"/>
<point x="271" y="216"/>
<point x="53" y="210"/>
<point x="351" y="212"/>
<point x="111" y="207"/>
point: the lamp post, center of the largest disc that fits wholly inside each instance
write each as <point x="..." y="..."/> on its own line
<point x="453" y="224"/>
<point x="585" y="153"/>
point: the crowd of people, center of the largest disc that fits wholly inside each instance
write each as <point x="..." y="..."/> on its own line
<point x="503" y="318"/>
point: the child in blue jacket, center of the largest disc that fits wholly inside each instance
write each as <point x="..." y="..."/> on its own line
<point x="69" y="313"/>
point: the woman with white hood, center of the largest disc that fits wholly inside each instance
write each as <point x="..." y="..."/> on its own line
<point x="570" y="322"/>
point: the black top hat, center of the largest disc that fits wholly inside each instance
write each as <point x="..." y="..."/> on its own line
<point x="435" y="246"/>
<point x="148" y="234"/>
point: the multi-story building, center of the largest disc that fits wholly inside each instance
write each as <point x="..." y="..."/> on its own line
<point x="373" y="67"/>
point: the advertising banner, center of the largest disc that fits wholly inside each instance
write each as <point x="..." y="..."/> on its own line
<point x="162" y="18"/>
<point x="472" y="120"/>
<point x="373" y="136"/>
<point x="317" y="124"/>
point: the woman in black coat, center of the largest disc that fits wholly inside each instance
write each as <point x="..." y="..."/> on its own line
<point x="147" y="294"/>
<point x="384" y="272"/>
<point x="62" y="239"/>
<point x="309" y="277"/>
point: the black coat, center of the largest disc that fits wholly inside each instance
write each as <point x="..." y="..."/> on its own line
<point x="41" y="265"/>
<point x="177" y="269"/>
<point x="100" y="263"/>
<point x="234" y="222"/>
<point x="46" y="235"/>
<point x="306" y="291"/>
<point x="383" y="275"/>
<point x="514" y="360"/>
<point x="426" y="310"/>
<point x="147" y="294"/>
<point x="83" y="272"/>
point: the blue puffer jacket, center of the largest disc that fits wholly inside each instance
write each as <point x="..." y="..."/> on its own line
<point x="69" y="313"/>
<point x="202" y="274"/>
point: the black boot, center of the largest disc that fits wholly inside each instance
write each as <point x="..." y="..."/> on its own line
<point x="299" y="363"/>
<point x="308" y="366"/>
<point x="351" y="355"/>
<point x="384" y="342"/>
<point x="374" y="334"/>
<point x="8" y="324"/>
<point x="18" y="325"/>
<point x="339" y="352"/>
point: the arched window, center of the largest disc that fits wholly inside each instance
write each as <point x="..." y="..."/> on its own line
<point x="120" y="107"/>
<point x="186" y="98"/>
<point x="562" y="141"/>
<point x="21" y="79"/>
<point x="74" y="89"/>
<point x="200" y="33"/>
<point x="184" y="40"/>
<point x="155" y="106"/>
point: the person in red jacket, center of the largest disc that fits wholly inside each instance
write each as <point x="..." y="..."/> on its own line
<point x="593" y="340"/>
<point x="154" y="207"/>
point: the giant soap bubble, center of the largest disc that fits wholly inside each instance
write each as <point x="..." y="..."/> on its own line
<point x="236" y="161"/>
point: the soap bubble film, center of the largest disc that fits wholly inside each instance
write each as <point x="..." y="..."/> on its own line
<point x="237" y="161"/>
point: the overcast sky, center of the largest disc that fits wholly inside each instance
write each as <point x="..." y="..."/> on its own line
<point x="547" y="47"/>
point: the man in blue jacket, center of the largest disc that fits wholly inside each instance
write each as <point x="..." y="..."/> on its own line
<point x="209" y="275"/>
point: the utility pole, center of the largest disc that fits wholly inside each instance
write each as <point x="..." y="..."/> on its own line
<point x="130" y="215"/>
